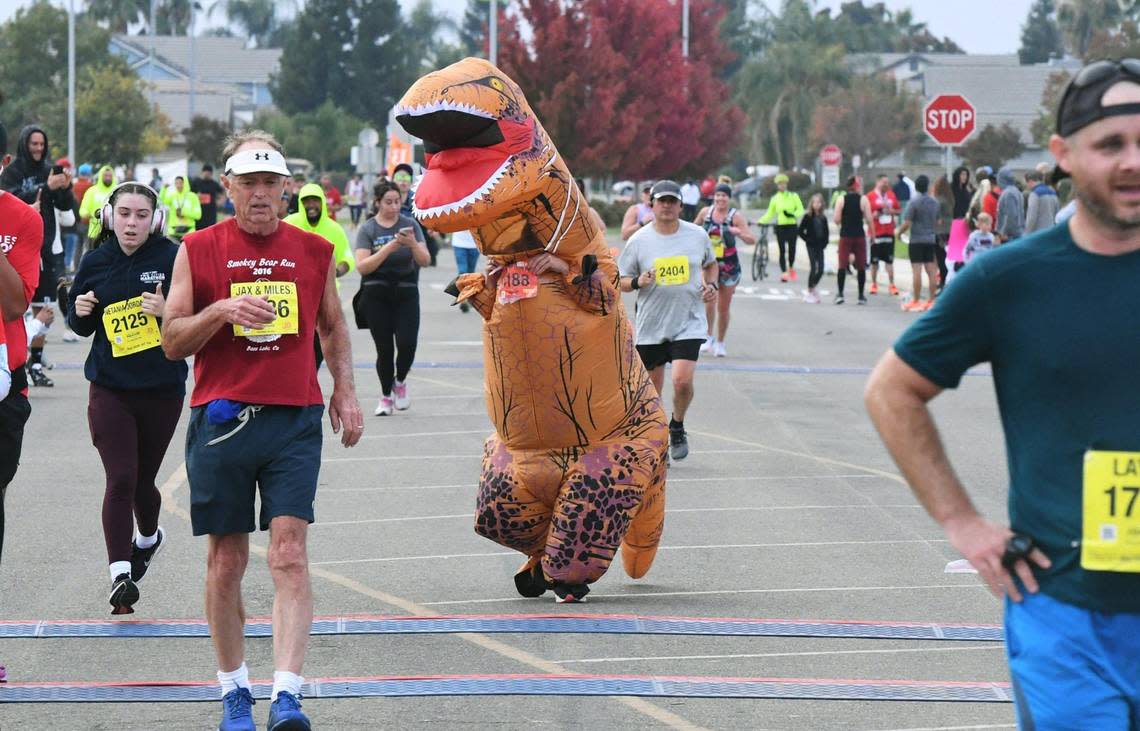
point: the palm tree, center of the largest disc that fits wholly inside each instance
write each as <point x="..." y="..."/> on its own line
<point x="259" y="18"/>
<point x="119" y="15"/>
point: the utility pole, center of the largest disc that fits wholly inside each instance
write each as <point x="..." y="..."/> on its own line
<point x="71" y="84"/>
<point x="493" y="32"/>
<point x="684" y="29"/>
<point x="193" y="60"/>
<point x="151" y="31"/>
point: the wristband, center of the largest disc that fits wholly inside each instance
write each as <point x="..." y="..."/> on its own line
<point x="635" y="283"/>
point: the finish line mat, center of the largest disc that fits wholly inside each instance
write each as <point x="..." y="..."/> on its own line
<point x="543" y="685"/>
<point x="524" y="624"/>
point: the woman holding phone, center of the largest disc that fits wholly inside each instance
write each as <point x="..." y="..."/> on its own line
<point x="390" y="250"/>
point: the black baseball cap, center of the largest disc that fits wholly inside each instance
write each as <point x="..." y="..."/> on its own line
<point x="1081" y="103"/>
<point x="665" y="189"/>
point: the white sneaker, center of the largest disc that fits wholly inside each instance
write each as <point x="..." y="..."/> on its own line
<point x="400" y="391"/>
<point x="707" y="345"/>
<point x="70" y="337"/>
<point x="385" y="407"/>
<point x="719" y="351"/>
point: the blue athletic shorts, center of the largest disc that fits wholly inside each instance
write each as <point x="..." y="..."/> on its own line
<point x="278" y="452"/>
<point x="1073" y="668"/>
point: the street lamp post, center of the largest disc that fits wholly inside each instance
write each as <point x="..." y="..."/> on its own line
<point x="71" y="83"/>
<point x="685" y="28"/>
<point x="493" y="32"/>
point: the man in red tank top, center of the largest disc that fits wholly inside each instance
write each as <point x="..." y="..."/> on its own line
<point x="246" y="298"/>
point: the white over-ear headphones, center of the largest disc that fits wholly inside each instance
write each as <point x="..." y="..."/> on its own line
<point x="157" y="221"/>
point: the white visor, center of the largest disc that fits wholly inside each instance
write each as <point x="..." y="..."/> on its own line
<point x="257" y="161"/>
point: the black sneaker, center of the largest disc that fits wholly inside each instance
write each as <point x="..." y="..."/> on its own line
<point x="678" y="443"/>
<point x="570" y="593"/>
<point x="862" y="300"/>
<point x="531" y="582"/>
<point x="124" y="594"/>
<point x="141" y="557"/>
<point x="37" y="376"/>
<point x="464" y="307"/>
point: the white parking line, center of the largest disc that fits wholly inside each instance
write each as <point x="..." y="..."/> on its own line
<point x="405" y="435"/>
<point x="709" y="547"/>
<point x="724" y="592"/>
<point x="891" y="651"/>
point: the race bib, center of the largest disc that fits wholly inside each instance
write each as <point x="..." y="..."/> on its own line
<point x="283" y="297"/>
<point x="129" y="329"/>
<point x="885" y="218"/>
<point x="672" y="270"/>
<point x="517" y="283"/>
<point x="205" y="199"/>
<point x="1110" y="536"/>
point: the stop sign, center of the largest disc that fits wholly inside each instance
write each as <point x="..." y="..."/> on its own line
<point x="830" y="155"/>
<point x="949" y="119"/>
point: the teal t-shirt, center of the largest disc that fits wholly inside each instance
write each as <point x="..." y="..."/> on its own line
<point x="1061" y="329"/>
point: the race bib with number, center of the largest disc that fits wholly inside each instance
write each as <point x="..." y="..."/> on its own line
<point x="1110" y="536"/>
<point x="282" y="296"/>
<point x="671" y="270"/>
<point x="129" y="329"/>
<point x="517" y="283"/>
<point x="885" y="218"/>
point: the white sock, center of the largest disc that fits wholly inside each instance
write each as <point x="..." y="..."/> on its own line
<point x="146" y="541"/>
<point x="283" y="680"/>
<point x="120" y="567"/>
<point x="234" y="679"/>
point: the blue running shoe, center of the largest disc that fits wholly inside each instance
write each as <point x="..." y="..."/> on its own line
<point x="237" y="711"/>
<point x="285" y="714"/>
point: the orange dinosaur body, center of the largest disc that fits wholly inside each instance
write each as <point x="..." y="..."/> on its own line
<point x="576" y="466"/>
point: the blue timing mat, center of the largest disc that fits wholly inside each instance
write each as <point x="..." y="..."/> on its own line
<point x="527" y="623"/>
<point x="575" y="685"/>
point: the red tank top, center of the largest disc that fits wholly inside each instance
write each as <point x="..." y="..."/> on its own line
<point x="276" y="370"/>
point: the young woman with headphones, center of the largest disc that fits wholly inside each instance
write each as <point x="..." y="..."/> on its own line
<point x="136" y="393"/>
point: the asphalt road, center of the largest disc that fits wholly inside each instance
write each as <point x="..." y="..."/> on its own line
<point x="788" y="507"/>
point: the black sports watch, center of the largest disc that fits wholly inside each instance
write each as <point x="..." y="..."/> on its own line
<point x="1017" y="548"/>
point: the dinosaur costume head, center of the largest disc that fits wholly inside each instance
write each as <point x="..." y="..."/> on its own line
<point x="490" y="164"/>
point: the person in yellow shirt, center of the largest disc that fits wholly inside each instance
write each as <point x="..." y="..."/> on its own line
<point x="93" y="200"/>
<point x="182" y="209"/>
<point x="787" y="209"/>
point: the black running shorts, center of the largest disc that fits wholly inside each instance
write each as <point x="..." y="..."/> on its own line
<point x="655" y="356"/>
<point x="921" y="253"/>
<point x="883" y="250"/>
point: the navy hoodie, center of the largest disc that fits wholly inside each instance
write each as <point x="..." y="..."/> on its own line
<point x="27" y="177"/>
<point x="114" y="277"/>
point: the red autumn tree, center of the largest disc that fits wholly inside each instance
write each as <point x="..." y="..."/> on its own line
<point x="608" y="81"/>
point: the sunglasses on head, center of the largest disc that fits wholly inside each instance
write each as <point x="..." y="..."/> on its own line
<point x="1101" y="70"/>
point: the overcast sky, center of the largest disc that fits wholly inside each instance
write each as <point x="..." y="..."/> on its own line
<point x="979" y="26"/>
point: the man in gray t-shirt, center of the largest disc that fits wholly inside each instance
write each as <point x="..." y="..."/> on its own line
<point x="672" y="266"/>
<point x="921" y="219"/>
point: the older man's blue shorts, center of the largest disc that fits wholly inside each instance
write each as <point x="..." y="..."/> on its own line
<point x="1073" y="668"/>
<point x="277" y="453"/>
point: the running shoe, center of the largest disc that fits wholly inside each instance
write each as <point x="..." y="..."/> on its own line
<point x="707" y="345"/>
<point x="530" y="581"/>
<point x="719" y="350"/>
<point x="285" y="714"/>
<point x="912" y="306"/>
<point x="70" y="337"/>
<point x="792" y="274"/>
<point x="784" y="277"/>
<point x="38" y="377"/>
<point x="141" y="557"/>
<point x="839" y="299"/>
<point x="678" y="443"/>
<point x="813" y="298"/>
<point x="926" y="305"/>
<point x="385" y="407"/>
<point x="464" y="307"/>
<point x="3" y="674"/>
<point x="237" y="711"/>
<point x="124" y="594"/>
<point x="894" y="291"/>
<point x="570" y="593"/>
<point x="861" y="301"/>
<point x="874" y="289"/>
<point x="400" y="391"/>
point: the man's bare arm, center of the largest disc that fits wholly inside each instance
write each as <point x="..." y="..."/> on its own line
<point x="344" y="409"/>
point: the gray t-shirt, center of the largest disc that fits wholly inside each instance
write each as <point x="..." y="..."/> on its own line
<point x="400" y="267"/>
<point x="922" y="213"/>
<point x="670" y="308"/>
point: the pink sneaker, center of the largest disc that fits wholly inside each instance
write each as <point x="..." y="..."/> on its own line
<point x="384" y="408"/>
<point x="400" y="391"/>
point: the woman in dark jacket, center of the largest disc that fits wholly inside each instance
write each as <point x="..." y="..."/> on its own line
<point x="136" y="393"/>
<point x="815" y="233"/>
<point x="962" y="193"/>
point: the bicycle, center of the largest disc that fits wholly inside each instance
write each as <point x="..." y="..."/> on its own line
<point x="760" y="255"/>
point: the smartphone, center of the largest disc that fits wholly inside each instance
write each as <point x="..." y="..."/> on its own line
<point x="408" y="229"/>
<point x="56" y="169"/>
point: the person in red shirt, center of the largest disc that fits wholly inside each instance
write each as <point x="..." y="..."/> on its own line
<point x="21" y="238"/>
<point x="247" y="296"/>
<point x="332" y="196"/>
<point x="884" y="208"/>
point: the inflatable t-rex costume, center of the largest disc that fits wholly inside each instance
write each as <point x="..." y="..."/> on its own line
<point x="577" y="464"/>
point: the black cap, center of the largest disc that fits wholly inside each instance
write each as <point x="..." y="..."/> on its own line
<point x="665" y="189"/>
<point x="1081" y="104"/>
<point x="3" y="140"/>
<point x="404" y="167"/>
<point x="207" y="168"/>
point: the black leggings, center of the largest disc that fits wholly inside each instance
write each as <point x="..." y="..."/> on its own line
<point x="14" y="413"/>
<point x="394" y="321"/>
<point x="815" y="256"/>
<point x="841" y="277"/>
<point x="786" y="238"/>
<point x="131" y="430"/>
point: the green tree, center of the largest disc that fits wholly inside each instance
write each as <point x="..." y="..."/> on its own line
<point x="119" y="124"/>
<point x="324" y="136"/>
<point x="1080" y="20"/>
<point x="872" y="118"/>
<point x="358" y="52"/>
<point x="260" y="20"/>
<point x="992" y="146"/>
<point x="119" y="15"/>
<point x="1046" y="123"/>
<point x="1040" y="36"/>
<point x="205" y="138"/>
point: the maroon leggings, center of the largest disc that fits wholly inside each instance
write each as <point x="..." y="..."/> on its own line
<point x="131" y="430"/>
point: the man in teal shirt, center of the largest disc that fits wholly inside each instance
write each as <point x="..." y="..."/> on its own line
<point x="1064" y="368"/>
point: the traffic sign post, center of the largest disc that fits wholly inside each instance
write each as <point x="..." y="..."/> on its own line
<point x="949" y="120"/>
<point x="830" y="158"/>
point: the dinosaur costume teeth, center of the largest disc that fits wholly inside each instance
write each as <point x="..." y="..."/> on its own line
<point x="576" y="466"/>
